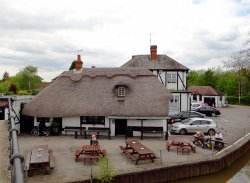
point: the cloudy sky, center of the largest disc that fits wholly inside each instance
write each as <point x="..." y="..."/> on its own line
<point x="47" y="34"/>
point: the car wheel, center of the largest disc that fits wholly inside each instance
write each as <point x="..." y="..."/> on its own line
<point x="211" y="131"/>
<point x="183" y="131"/>
<point x="213" y="114"/>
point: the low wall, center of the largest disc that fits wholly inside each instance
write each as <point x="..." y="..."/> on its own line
<point x="218" y="162"/>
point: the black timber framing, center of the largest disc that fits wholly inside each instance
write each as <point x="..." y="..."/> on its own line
<point x="178" y="76"/>
<point x="177" y="82"/>
<point x="159" y="75"/>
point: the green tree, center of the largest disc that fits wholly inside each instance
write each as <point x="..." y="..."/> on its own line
<point x="208" y="78"/>
<point x="13" y="89"/>
<point x="6" y="76"/>
<point x="195" y="79"/>
<point x="28" y="79"/>
<point x="240" y="62"/>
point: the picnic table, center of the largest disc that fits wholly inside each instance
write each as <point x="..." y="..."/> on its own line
<point x="207" y="142"/>
<point x="39" y="158"/>
<point x="133" y="147"/>
<point x="90" y="153"/>
<point x="182" y="144"/>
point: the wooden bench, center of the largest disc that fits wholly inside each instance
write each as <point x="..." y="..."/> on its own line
<point x="104" y="152"/>
<point x="182" y="149"/>
<point x="168" y="144"/>
<point x="77" y="154"/>
<point x="51" y="160"/>
<point x="127" y="153"/>
<point x="73" y="129"/>
<point x="192" y="145"/>
<point x="87" y="157"/>
<point x="97" y="130"/>
<point x="27" y="161"/>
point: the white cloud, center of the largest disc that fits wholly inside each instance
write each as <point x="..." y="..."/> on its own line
<point x="46" y="34"/>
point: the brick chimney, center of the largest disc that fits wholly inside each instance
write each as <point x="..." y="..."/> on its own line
<point x="153" y="52"/>
<point x="78" y="63"/>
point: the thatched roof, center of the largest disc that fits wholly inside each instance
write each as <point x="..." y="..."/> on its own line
<point x="163" y="62"/>
<point x="92" y="92"/>
<point x="204" y="90"/>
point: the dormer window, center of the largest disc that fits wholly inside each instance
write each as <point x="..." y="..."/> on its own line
<point x="121" y="91"/>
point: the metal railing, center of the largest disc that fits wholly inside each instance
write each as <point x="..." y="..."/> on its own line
<point x="16" y="159"/>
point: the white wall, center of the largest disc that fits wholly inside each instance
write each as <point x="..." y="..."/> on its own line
<point x="17" y="100"/>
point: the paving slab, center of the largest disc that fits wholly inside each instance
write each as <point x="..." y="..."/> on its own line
<point x="234" y="120"/>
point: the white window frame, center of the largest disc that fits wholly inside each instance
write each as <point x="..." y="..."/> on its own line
<point x="171" y="77"/>
<point x="121" y="91"/>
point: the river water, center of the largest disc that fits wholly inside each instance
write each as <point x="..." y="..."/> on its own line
<point x="239" y="172"/>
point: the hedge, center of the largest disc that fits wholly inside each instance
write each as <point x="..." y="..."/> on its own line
<point x="244" y="100"/>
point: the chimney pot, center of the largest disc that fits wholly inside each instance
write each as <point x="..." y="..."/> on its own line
<point x="153" y="52"/>
<point x="78" y="63"/>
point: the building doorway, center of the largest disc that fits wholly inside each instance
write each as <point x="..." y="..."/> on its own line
<point x="2" y="111"/>
<point x="210" y="101"/>
<point x="120" y="126"/>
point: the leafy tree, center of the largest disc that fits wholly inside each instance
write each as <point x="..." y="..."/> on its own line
<point x="28" y="79"/>
<point x="13" y="89"/>
<point x="239" y="62"/>
<point x="6" y="76"/>
<point x="227" y="83"/>
<point x="208" y="78"/>
<point x="195" y="79"/>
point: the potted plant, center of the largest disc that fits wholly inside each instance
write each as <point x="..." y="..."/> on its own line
<point x="55" y="127"/>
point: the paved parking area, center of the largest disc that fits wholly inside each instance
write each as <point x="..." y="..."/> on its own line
<point x="235" y="120"/>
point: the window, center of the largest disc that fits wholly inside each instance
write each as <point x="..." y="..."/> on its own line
<point x="171" y="78"/>
<point x="43" y="119"/>
<point x="93" y="120"/>
<point x="175" y="99"/>
<point x="205" y="123"/>
<point x="121" y="91"/>
<point x="195" y="97"/>
<point x="200" y="97"/>
<point x="195" y="123"/>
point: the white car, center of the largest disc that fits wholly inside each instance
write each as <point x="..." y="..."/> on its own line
<point x="195" y="105"/>
<point x="192" y="125"/>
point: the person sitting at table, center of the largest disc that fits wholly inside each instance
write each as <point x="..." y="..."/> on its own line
<point x="201" y="138"/>
<point x="93" y="140"/>
<point x="218" y="135"/>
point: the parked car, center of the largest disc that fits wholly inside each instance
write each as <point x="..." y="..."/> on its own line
<point x="208" y="110"/>
<point x="192" y="125"/>
<point x="195" y="105"/>
<point x="185" y="115"/>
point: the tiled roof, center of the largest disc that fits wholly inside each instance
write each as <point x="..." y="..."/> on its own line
<point x="163" y="62"/>
<point x="204" y="90"/>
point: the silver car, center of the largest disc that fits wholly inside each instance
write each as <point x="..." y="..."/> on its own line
<point x="193" y="125"/>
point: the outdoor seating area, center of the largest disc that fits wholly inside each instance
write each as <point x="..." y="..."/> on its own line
<point x="98" y="131"/>
<point x="182" y="145"/>
<point x="39" y="158"/>
<point x="90" y="153"/>
<point x="209" y="141"/>
<point x="136" y="151"/>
